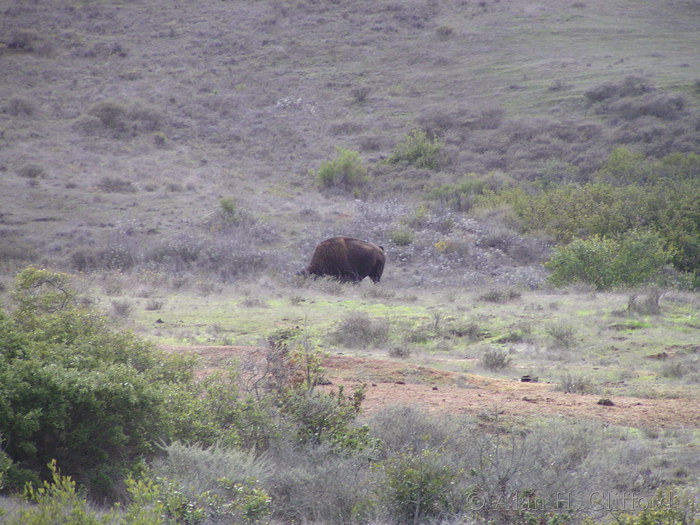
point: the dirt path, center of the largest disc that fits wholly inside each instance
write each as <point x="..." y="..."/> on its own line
<point x="394" y="382"/>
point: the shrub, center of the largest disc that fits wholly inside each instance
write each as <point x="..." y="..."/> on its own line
<point x="606" y="263"/>
<point x="115" y="185"/>
<point x="646" y="304"/>
<point x="495" y="359"/>
<point x="345" y="171"/>
<point x="112" y="114"/>
<point x="400" y="351"/>
<point x="27" y="40"/>
<point x="562" y="336"/>
<point x="576" y="384"/>
<point x="358" y="330"/>
<point x="626" y="167"/>
<point x="420" y="150"/>
<point x="418" y="487"/>
<point x="222" y="483"/>
<point x="666" y="507"/>
<point x="75" y="390"/>
<point x="460" y="196"/>
<point x="360" y="93"/>
<point x="20" y="106"/>
<point x="328" y="418"/>
<point x="32" y="171"/>
<point x="498" y="295"/>
<point x="630" y="86"/>
<point x="228" y="209"/>
<point x="402" y="237"/>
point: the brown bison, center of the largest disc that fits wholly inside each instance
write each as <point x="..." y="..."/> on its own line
<point x="347" y="259"/>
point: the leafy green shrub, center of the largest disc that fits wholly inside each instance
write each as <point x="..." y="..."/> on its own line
<point x="630" y="191"/>
<point x="228" y="208"/>
<point x="328" y="418"/>
<point x="209" y="412"/>
<point x="59" y="501"/>
<point x="606" y="263"/>
<point x="666" y="507"/>
<point x="418" y="487"/>
<point x="418" y="149"/>
<point x="460" y="196"/>
<point x="402" y="237"/>
<point x="626" y="167"/>
<point x="75" y="390"/>
<point x="345" y="171"/>
<point x="215" y="482"/>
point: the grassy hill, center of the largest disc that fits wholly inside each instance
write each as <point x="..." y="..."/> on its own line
<point x="125" y="123"/>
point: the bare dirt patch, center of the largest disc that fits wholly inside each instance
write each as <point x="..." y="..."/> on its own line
<point x="438" y="391"/>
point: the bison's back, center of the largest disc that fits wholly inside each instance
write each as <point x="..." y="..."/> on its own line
<point x="348" y="259"/>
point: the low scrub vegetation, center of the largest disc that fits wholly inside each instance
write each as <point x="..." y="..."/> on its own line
<point x="345" y="172"/>
<point x="110" y="418"/>
<point x="419" y="150"/>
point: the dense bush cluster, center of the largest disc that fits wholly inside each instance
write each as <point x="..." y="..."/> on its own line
<point x="76" y="391"/>
<point x="621" y="228"/>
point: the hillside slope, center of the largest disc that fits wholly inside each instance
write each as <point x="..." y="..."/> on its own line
<point x="125" y="122"/>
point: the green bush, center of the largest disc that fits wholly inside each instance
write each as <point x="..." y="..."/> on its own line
<point x="402" y="237"/>
<point x="460" y="196"/>
<point x="630" y="192"/>
<point x="328" y="418"/>
<point x="60" y="501"/>
<point x="229" y="211"/>
<point x="418" y="487"/>
<point x="345" y="171"/>
<point x="75" y="390"/>
<point x="666" y="507"/>
<point x="606" y="263"/>
<point x="418" y="149"/>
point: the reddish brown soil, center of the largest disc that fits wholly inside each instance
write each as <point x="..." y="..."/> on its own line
<point x="395" y="382"/>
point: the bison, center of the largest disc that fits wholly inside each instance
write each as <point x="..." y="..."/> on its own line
<point x="347" y="259"/>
